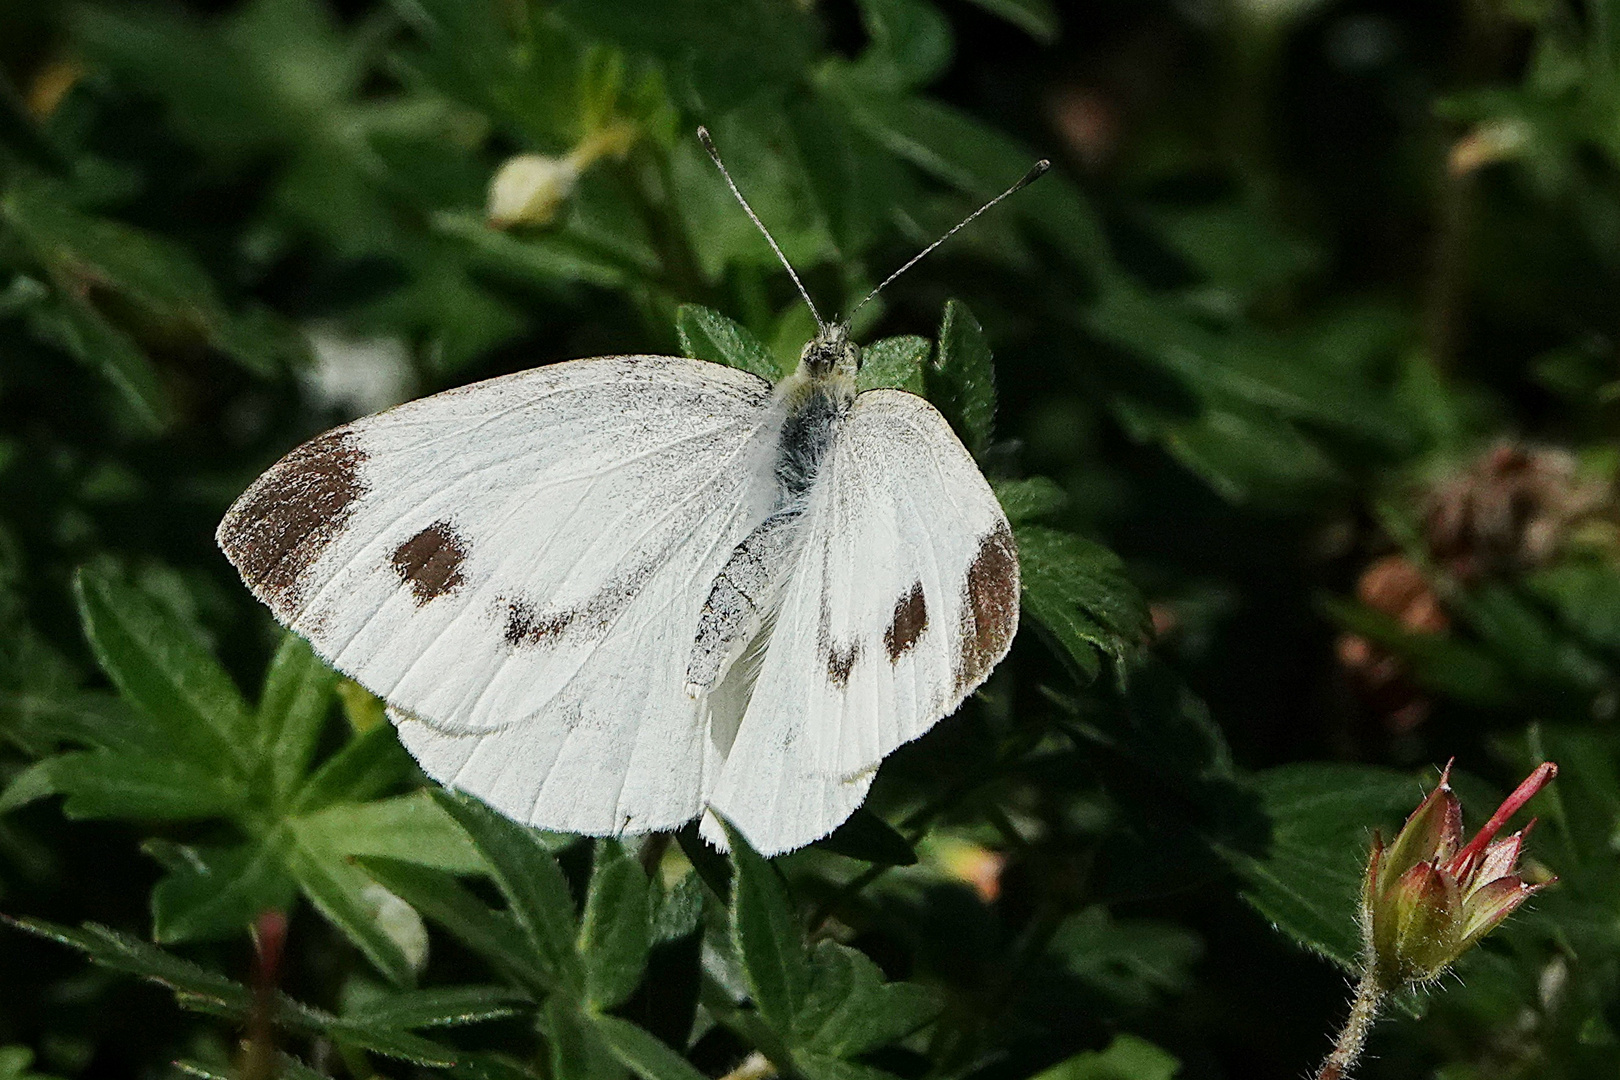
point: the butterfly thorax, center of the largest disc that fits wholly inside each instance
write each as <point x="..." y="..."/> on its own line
<point x="814" y="398"/>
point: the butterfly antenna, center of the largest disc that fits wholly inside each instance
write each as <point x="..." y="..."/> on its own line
<point x="1034" y="174"/>
<point x="714" y="155"/>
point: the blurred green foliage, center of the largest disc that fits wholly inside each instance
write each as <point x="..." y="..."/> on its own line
<point x="1309" y="340"/>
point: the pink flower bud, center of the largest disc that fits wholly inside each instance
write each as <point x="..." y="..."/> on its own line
<point x="1428" y="897"/>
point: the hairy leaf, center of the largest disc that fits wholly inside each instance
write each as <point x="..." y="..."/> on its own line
<point x="529" y="878"/>
<point x="615" y="931"/>
<point x="767" y="935"/>
<point x="161" y="668"/>
<point x="709" y="335"/>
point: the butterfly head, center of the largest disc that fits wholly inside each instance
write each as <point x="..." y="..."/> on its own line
<point x="830" y="354"/>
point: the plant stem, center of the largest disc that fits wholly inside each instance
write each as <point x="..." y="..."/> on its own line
<point x="1363" y="1011"/>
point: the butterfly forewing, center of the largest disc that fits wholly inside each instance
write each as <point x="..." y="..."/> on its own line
<point x="903" y="596"/>
<point x="518" y="567"/>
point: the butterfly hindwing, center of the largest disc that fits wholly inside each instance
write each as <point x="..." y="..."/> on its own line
<point x="903" y="596"/>
<point x="517" y="567"/>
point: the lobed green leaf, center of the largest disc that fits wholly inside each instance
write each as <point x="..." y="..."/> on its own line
<point x="643" y="1053"/>
<point x="708" y="335"/>
<point x="1078" y="590"/>
<point x="495" y="935"/>
<point x="411" y="828"/>
<point x="1308" y="883"/>
<point x="962" y="381"/>
<point x="899" y="363"/>
<point x="161" y="668"/>
<point x="112" y="784"/>
<point x="849" y="1010"/>
<point x="293" y="707"/>
<point x="350" y="901"/>
<point x="531" y="881"/>
<point x="214" y="893"/>
<point x="1029" y="500"/>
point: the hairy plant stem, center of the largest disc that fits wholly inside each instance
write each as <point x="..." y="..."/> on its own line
<point x="1363" y="1011"/>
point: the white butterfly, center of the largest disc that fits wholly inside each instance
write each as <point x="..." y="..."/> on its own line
<point x="610" y="595"/>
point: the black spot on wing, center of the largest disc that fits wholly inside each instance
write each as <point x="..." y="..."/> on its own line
<point x="840" y="662"/>
<point x="280" y="525"/>
<point x="989" y="607"/>
<point x="430" y="562"/>
<point x="527" y="623"/>
<point x="909" y="621"/>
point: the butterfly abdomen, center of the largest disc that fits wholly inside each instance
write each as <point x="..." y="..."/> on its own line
<point x="745" y="591"/>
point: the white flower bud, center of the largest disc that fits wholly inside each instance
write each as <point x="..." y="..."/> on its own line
<point x="529" y="189"/>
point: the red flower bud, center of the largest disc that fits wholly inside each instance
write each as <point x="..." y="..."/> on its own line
<point x="1428" y="897"/>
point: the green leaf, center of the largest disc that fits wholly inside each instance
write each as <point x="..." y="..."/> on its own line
<point x="214" y="893"/>
<point x="15" y="1061"/>
<point x="194" y="985"/>
<point x="1029" y="500"/>
<point x="353" y="903"/>
<point x="201" y="990"/>
<point x="854" y="183"/>
<point x="849" y="1010"/>
<point x="159" y="667"/>
<point x="1133" y="963"/>
<point x="371" y="762"/>
<point x="679" y="909"/>
<point x="1244" y="371"/>
<point x="439" y="1006"/>
<point x="898" y="363"/>
<point x="708" y="335"/>
<point x="293" y="707"/>
<point x="288" y="1068"/>
<point x="494" y="935"/>
<point x="975" y="158"/>
<point x="1322" y="816"/>
<point x="1127" y="1058"/>
<point x="114" y="784"/>
<point x="961" y="381"/>
<point x="719" y="53"/>
<point x="1037" y="18"/>
<point x="1247" y="455"/>
<point x="530" y="880"/>
<point x="33" y="783"/>
<point x="910" y="43"/>
<point x="768" y="938"/>
<point x="577" y="1050"/>
<point x="865" y="836"/>
<point x="643" y="1053"/>
<point x="1078" y="590"/>
<point x="615" y="932"/>
<point x="148" y="271"/>
<point x="410" y="828"/>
